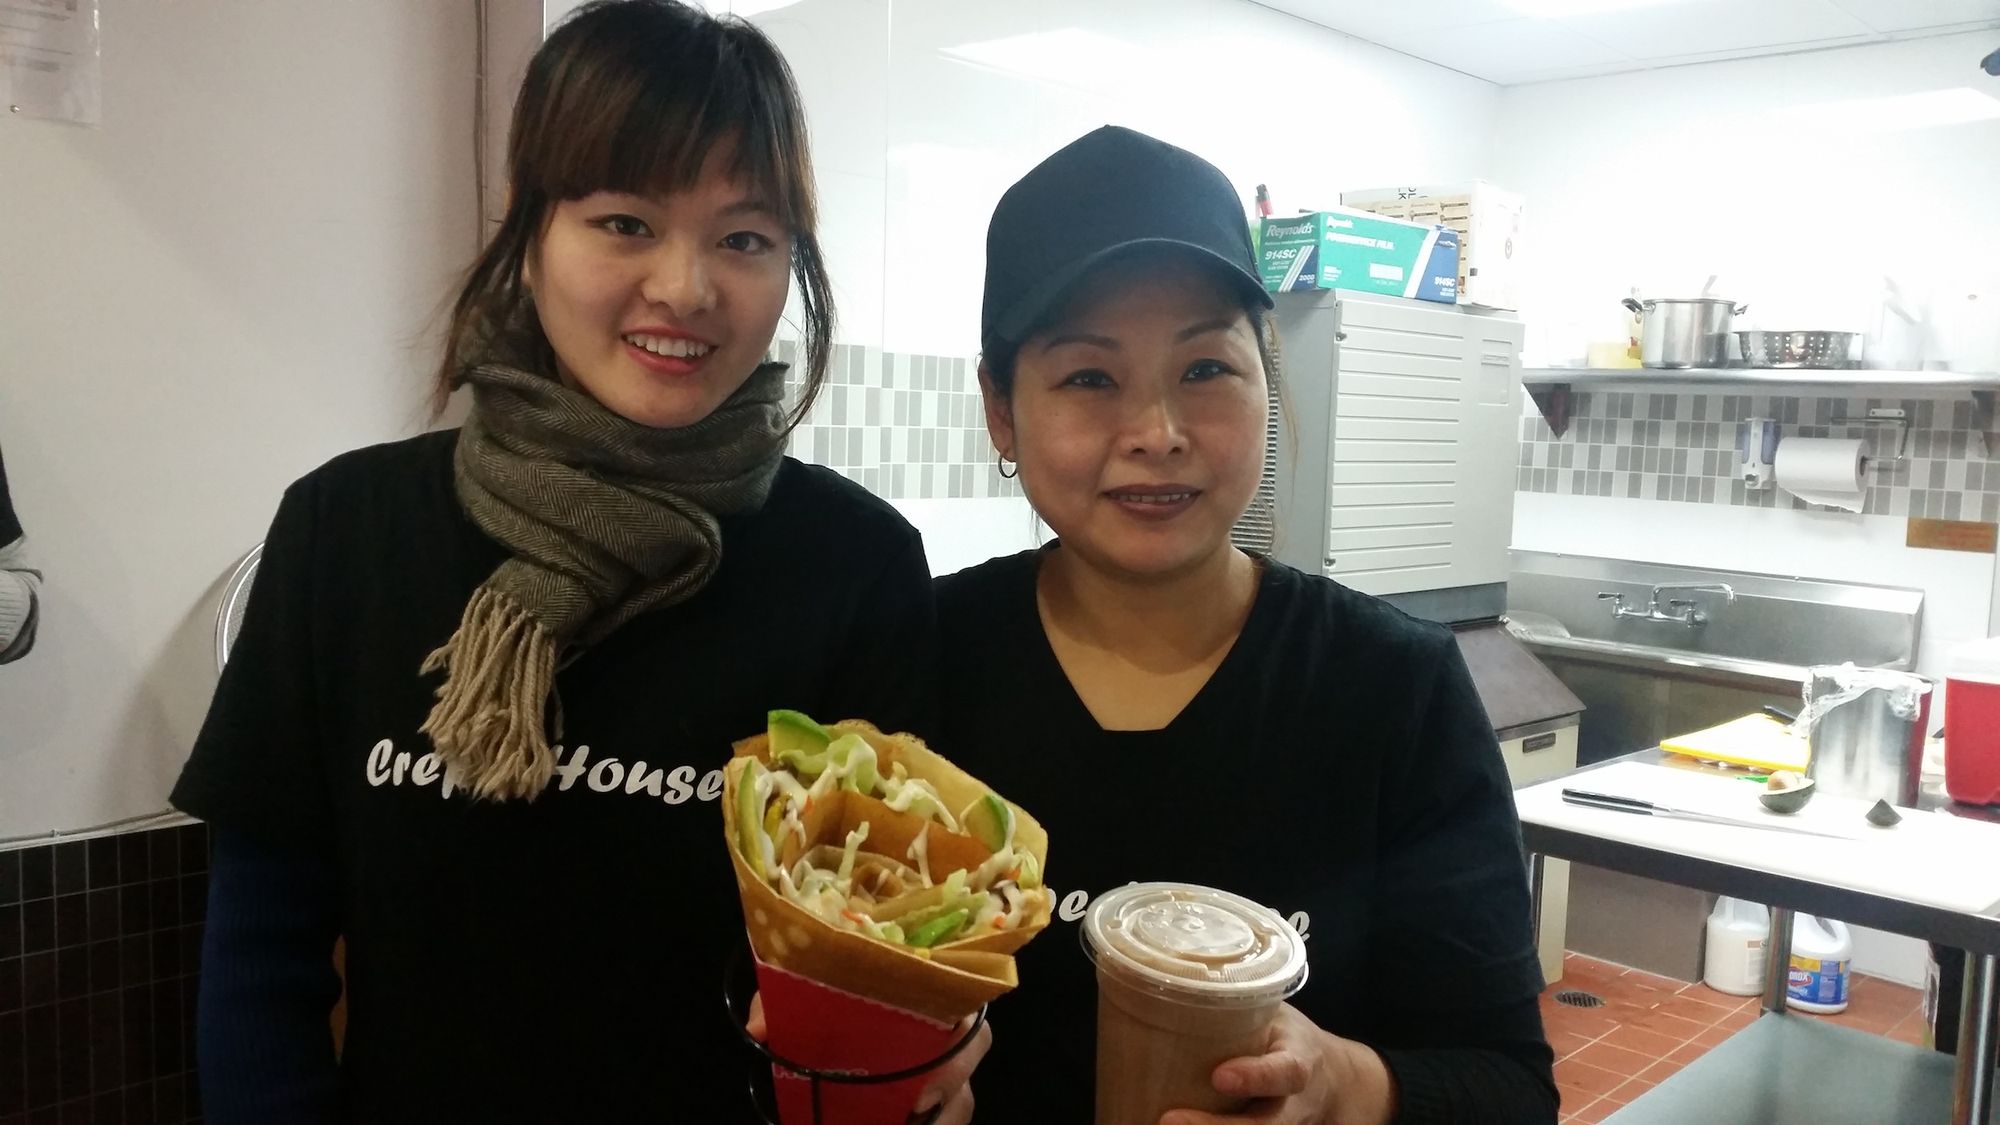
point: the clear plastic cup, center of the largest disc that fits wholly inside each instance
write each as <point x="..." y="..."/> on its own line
<point x="1187" y="978"/>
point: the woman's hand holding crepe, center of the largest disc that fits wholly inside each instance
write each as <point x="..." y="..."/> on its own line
<point x="948" y="1095"/>
<point x="949" y="1092"/>
<point x="1306" y="1076"/>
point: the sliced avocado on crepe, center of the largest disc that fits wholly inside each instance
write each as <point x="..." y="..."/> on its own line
<point x="748" y="795"/>
<point x="867" y="891"/>
<point x="989" y="820"/>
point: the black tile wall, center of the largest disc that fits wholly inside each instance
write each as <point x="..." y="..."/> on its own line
<point x="99" y="943"/>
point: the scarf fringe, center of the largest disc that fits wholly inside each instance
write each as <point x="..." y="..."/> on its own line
<point x="489" y="721"/>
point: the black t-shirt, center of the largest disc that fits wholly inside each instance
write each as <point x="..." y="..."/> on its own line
<point x="560" y="959"/>
<point x="1337" y="767"/>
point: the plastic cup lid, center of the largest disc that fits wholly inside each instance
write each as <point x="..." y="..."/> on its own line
<point x="1196" y="943"/>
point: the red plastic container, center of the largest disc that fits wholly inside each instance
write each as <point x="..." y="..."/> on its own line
<point x="1972" y="724"/>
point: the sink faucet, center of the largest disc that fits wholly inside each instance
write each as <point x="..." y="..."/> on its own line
<point x="1679" y="611"/>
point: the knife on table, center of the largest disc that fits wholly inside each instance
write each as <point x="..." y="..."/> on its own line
<point x="1615" y="803"/>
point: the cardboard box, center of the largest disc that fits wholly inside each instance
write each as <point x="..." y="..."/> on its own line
<point x="1348" y="249"/>
<point x="1489" y="219"/>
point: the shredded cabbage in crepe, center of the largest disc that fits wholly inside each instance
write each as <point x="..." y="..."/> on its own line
<point x="871" y="893"/>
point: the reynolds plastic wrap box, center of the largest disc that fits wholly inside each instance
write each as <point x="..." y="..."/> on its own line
<point x="1348" y="249"/>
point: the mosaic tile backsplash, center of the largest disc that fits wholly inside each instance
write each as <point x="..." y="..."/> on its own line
<point x="1683" y="447"/>
<point x="100" y="941"/>
<point x="903" y="426"/>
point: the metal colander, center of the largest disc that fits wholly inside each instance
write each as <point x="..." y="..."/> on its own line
<point x="1799" y="349"/>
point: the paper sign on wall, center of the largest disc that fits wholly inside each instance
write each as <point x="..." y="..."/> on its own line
<point x="48" y="59"/>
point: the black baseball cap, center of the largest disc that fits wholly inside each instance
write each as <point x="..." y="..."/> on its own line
<point x="1105" y="193"/>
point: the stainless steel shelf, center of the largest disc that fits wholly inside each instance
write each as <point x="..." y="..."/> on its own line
<point x="1551" y="387"/>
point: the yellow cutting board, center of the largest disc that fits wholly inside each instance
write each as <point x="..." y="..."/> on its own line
<point x="1753" y="740"/>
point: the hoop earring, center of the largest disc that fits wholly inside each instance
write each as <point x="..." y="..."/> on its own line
<point x="1002" y="462"/>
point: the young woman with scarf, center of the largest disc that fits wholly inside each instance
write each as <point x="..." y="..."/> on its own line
<point x="474" y="720"/>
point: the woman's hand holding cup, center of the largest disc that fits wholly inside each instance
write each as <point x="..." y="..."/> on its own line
<point x="1306" y="1076"/>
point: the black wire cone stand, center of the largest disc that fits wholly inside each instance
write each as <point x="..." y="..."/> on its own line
<point x="739" y="984"/>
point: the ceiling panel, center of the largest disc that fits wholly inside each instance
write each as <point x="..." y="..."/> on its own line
<point x="1507" y="51"/>
<point x="1921" y="15"/>
<point x="1691" y="27"/>
<point x="1502" y="41"/>
<point x="1365" y="19"/>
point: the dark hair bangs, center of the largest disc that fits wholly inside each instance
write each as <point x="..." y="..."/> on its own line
<point x="657" y="105"/>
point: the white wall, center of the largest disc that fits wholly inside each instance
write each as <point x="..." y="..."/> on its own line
<point x="924" y="112"/>
<point x="228" y="282"/>
<point x="1787" y="177"/>
<point x="1792" y="182"/>
<point x="1661" y="178"/>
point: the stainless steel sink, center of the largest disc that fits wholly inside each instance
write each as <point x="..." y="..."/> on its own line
<point x="1644" y="680"/>
<point x="1643" y="677"/>
<point x="1774" y="627"/>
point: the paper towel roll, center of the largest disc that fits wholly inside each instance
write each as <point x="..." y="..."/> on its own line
<point x="1823" y="471"/>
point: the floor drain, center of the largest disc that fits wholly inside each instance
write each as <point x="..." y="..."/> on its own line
<point x="1577" y="998"/>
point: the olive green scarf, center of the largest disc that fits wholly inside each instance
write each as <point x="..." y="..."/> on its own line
<point x="605" y="519"/>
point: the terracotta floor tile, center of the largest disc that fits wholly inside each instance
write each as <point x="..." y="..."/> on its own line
<point x="1740" y="1018"/>
<point x="1617" y="1060"/>
<point x="1916" y="1035"/>
<point x="1637" y="1000"/>
<point x="1671" y="1026"/>
<point x="1881" y="1001"/>
<point x="1586" y="961"/>
<point x="1872" y="1023"/>
<point x="1717" y="997"/>
<point x="1654" y="980"/>
<point x="1631" y="1089"/>
<point x="1698" y="1011"/>
<point x="1688" y="1052"/>
<point x="1662" y="1070"/>
<point x="1573" y="1097"/>
<point x="1579" y="963"/>
<point x="1567" y="1043"/>
<point x="1601" y="987"/>
<point x="1623" y="1002"/>
<point x="1649" y="1043"/>
<point x="1713" y="1036"/>
<point x="1597" y="1111"/>
<point x="1589" y="1023"/>
<point x="1912" y="1029"/>
<point x="1590" y="1079"/>
<point x="1590" y="973"/>
<point x="1863" y="984"/>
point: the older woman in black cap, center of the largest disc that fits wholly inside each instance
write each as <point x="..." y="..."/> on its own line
<point x="1175" y="708"/>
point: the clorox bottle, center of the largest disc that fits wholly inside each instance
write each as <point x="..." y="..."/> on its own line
<point x="1822" y="950"/>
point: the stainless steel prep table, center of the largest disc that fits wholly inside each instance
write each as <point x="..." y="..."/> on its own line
<point x="1781" y="1069"/>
